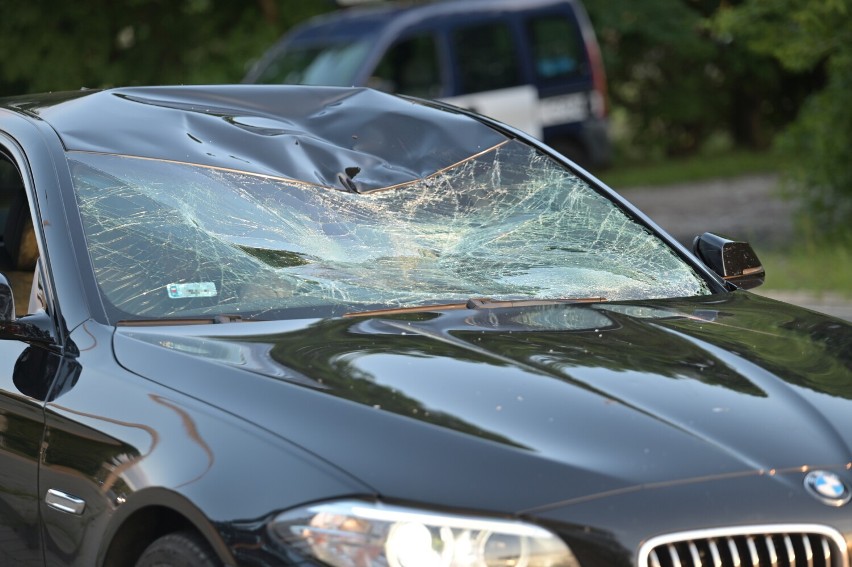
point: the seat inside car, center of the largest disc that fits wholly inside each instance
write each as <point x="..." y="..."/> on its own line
<point x="18" y="247"/>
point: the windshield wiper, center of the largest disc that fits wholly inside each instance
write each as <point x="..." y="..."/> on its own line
<point x="488" y="303"/>
<point x="202" y="320"/>
<point x="475" y="303"/>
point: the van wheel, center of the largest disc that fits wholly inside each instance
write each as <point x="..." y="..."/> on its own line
<point x="182" y="549"/>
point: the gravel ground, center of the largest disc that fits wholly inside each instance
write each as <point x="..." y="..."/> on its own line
<point x="742" y="208"/>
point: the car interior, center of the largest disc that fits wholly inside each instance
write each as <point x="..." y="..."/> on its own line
<point x="18" y="247"/>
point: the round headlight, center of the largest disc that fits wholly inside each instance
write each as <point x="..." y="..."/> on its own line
<point x="361" y="534"/>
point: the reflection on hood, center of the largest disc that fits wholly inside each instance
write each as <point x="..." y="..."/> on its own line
<point x="608" y="395"/>
<point x="646" y="357"/>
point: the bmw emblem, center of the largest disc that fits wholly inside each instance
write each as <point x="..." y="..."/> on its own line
<point x="827" y="487"/>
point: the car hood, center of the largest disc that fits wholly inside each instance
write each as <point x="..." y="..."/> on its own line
<point x="517" y="409"/>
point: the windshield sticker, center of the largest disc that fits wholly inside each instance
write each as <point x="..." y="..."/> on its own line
<point x="191" y="290"/>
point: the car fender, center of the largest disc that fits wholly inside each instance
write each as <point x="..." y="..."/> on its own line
<point x="123" y="525"/>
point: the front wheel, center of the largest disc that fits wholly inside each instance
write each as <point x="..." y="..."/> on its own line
<point x="182" y="549"/>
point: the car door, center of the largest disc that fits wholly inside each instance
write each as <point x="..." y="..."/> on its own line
<point x="22" y="388"/>
<point x="21" y="430"/>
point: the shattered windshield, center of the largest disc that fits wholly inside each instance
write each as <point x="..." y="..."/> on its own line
<point x="171" y="239"/>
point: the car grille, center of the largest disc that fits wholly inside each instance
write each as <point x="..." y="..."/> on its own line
<point x="768" y="546"/>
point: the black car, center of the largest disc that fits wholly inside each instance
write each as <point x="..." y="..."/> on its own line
<point x="248" y="325"/>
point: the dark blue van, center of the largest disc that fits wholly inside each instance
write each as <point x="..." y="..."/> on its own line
<point x="533" y="64"/>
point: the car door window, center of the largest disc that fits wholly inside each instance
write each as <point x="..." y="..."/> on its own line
<point x="18" y="248"/>
<point x="8" y="178"/>
<point x="557" y="48"/>
<point x="487" y="57"/>
<point x="411" y="67"/>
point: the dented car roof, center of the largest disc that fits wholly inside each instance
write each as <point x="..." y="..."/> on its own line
<point x="342" y="138"/>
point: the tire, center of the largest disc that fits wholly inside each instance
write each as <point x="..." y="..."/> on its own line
<point x="181" y="549"/>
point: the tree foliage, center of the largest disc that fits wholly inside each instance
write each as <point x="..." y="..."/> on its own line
<point x="680" y="84"/>
<point x="53" y="45"/>
<point x="804" y="35"/>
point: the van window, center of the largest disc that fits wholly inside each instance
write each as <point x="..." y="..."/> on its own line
<point x="410" y="67"/>
<point x="487" y="57"/>
<point x="334" y="64"/>
<point x="557" y="48"/>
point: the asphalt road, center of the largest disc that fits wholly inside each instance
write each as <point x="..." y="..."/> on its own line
<point x="743" y="208"/>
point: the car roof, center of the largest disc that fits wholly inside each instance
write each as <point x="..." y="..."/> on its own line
<point x="355" y="139"/>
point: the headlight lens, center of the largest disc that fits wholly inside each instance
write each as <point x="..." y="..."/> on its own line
<point x="362" y="534"/>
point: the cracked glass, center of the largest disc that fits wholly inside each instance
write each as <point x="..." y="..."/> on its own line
<point x="171" y="240"/>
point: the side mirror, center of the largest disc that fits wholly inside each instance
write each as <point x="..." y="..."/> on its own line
<point x="7" y="301"/>
<point x="735" y="261"/>
<point x="34" y="328"/>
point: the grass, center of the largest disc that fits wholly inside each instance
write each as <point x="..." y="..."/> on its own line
<point x="696" y="168"/>
<point x="816" y="269"/>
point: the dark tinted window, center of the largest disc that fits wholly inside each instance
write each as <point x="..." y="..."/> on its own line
<point x="410" y="67"/>
<point x="11" y="190"/>
<point x="16" y="232"/>
<point x="7" y="176"/>
<point x="333" y="65"/>
<point x="487" y="57"/>
<point x="557" y="47"/>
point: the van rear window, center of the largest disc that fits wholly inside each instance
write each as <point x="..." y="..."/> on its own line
<point x="557" y="48"/>
<point x="487" y="57"/>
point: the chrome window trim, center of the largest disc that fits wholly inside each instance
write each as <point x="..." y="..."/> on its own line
<point x="837" y="538"/>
